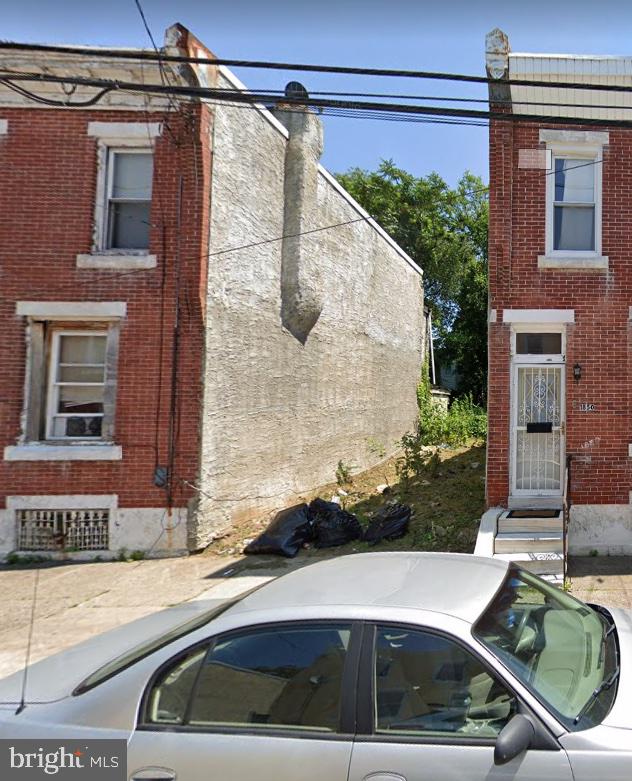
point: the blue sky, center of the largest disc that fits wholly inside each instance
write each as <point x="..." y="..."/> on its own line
<point x="419" y="35"/>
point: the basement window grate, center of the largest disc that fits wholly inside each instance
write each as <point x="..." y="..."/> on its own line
<point x="57" y="530"/>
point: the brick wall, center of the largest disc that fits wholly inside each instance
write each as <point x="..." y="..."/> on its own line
<point x="600" y="338"/>
<point x="48" y="168"/>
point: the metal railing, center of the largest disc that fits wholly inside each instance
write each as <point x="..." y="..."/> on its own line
<point x="566" y="513"/>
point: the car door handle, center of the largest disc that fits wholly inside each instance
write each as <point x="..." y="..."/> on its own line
<point x="383" y="776"/>
<point x="153" y="774"/>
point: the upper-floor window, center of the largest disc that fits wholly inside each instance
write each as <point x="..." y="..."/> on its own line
<point x="128" y="199"/>
<point x="574" y="200"/>
<point x="574" y="204"/>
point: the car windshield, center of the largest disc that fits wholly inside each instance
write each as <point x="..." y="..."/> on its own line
<point x="562" y="650"/>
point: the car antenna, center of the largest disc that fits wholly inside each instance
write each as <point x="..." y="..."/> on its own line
<point x="29" y="643"/>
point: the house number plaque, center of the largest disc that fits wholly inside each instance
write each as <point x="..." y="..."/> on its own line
<point x="584" y="406"/>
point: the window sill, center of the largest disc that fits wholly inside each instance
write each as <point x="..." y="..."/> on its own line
<point x="40" y="451"/>
<point x="570" y="263"/>
<point x="116" y="262"/>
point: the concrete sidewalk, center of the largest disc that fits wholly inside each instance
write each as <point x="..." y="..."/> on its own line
<point x="606" y="580"/>
<point x="76" y="601"/>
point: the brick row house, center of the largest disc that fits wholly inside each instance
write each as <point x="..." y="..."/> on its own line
<point x="170" y="364"/>
<point x="560" y="319"/>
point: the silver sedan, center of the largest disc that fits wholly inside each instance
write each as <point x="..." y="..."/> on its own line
<point x="376" y="667"/>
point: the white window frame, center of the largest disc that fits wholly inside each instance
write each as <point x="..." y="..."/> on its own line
<point x="53" y="385"/>
<point x="105" y="238"/>
<point x="570" y="145"/>
<point x="538" y="328"/>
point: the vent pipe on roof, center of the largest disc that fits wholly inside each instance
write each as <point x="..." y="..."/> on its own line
<point x="301" y="284"/>
<point x="497" y="66"/>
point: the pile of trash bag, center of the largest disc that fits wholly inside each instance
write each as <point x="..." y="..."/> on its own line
<point x="286" y="534"/>
<point x="332" y="525"/>
<point x="327" y="525"/>
<point x="389" y="523"/>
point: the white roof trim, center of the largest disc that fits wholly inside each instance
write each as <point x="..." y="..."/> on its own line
<point x="72" y="310"/>
<point x="539" y="316"/>
<point x="237" y="84"/>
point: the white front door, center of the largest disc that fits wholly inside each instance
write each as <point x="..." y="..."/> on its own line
<point x="537" y="430"/>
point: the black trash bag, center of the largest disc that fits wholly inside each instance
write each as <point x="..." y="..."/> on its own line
<point x="286" y="534"/>
<point x="332" y="525"/>
<point x="389" y="523"/>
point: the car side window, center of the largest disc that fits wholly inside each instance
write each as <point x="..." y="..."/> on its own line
<point x="426" y="684"/>
<point x="283" y="677"/>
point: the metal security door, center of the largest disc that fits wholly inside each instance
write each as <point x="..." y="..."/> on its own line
<point x="538" y="430"/>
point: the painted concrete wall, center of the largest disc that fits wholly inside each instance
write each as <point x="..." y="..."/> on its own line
<point x="279" y="415"/>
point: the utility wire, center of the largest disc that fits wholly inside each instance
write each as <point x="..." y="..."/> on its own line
<point x="238" y="96"/>
<point x="136" y="54"/>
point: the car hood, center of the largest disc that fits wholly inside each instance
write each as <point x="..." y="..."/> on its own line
<point x="57" y="676"/>
<point x="621" y="713"/>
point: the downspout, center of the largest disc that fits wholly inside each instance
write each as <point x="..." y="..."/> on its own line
<point x="302" y="294"/>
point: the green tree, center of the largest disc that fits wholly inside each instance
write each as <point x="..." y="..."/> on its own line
<point x="445" y="231"/>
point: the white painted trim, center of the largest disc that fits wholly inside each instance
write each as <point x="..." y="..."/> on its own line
<point x="630" y="313"/>
<point x="493" y="315"/>
<point x="4" y="127"/>
<point x="107" y="261"/>
<point x="125" y="131"/>
<point x="594" y="137"/>
<point x="48" y="452"/>
<point x="630" y="455"/>
<point x="572" y="263"/>
<point x="63" y="502"/>
<point x="487" y="531"/>
<point x="516" y="365"/>
<point x="538" y="316"/>
<point x="72" y="310"/>
<point x="580" y="258"/>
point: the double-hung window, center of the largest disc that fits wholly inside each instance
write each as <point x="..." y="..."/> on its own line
<point x="574" y="200"/>
<point x="574" y="204"/>
<point x="128" y="199"/>
<point x="76" y="384"/>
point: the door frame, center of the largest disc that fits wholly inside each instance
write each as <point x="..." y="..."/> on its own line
<point x="545" y="361"/>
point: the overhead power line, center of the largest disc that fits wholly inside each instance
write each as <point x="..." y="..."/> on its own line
<point x="239" y="96"/>
<point x="137" y="54"/>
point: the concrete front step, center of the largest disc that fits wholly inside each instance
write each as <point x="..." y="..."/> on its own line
<point x="538" y="563"/>
<point x="540" y="542"/>
<point x="529" y="525"/>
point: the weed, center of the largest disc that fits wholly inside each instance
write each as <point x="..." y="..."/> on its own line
<point x="15" y="558"/>
<point x="594" y="552"/>
<point x="136" y="555"/>
<point x="343" y="473"/>
<point x="375" y="447"/>
<point x="122" y="556"/>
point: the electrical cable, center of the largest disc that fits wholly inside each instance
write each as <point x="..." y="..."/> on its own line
<point x="136" y="54"/>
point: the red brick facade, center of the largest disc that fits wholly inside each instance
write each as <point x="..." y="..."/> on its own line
<point x="47" y="201"/>
<point x="599" y="339"/>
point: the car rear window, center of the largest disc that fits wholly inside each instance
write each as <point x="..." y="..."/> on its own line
<point x="139" y="652"/>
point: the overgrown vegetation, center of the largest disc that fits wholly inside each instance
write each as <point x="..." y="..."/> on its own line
<point x="444" y="229"/>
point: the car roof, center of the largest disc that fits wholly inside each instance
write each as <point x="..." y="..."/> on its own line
<point x="457" y="584"/>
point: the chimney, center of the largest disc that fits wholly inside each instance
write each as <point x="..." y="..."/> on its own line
<point x="301" y="282"/>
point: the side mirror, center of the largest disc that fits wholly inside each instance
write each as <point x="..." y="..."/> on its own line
<point x="514" y="738"/>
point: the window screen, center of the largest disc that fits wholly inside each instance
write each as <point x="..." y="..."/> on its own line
<point x="538" y="344"/>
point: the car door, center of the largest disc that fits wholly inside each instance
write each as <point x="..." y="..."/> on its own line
<point x="429" y="710"/>
<point x="270" y="702"/>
